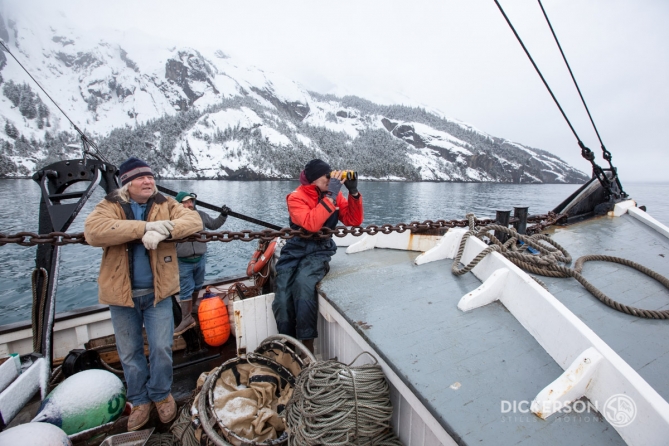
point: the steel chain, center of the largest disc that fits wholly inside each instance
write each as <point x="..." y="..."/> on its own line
<point x="62" y="238"/>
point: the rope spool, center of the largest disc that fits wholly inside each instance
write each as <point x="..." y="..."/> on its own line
<point x="214" y="321"/>
<point x="337" y="404"/>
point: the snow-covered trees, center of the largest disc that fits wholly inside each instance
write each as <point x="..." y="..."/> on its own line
<point x="252" y="139"/>
<point x="29" y="104"/>
<point x="10" y="130"/>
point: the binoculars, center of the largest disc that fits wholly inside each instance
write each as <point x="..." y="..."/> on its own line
<point x="347" y="174"/>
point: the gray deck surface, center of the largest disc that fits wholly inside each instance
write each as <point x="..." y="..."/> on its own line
<point x="410" y="317"/>
<point x="642" y="343"/>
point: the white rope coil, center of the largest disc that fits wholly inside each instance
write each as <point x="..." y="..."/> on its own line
<point x="336" y="404"/>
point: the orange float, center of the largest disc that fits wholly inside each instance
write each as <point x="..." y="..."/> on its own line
<point x="260" y="259"/>
<point x="214" y="320"/>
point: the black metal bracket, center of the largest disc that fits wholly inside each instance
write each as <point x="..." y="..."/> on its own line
<point x="56" y="178"/>
<point x="56" y="216"/>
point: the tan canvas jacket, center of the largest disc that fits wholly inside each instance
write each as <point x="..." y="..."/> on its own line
<point x="107" y="227"/>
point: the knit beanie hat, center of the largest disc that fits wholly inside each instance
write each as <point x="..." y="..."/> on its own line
<point x="315" y="169"/>
<point x="133" y="168"/>
<point x="181" y="195"/>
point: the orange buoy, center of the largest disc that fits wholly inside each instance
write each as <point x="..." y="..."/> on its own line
<point x="214" y="321"/>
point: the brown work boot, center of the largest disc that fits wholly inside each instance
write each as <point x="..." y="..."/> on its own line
<point x="187" y="321"/>
<point x="167" y="409"/>
<point x="139" y="416"/>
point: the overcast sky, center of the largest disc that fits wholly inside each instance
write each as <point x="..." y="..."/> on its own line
<point x="457" y="56"/>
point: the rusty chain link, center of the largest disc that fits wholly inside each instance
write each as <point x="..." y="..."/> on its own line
<point x="543" y="221"/>
<point x="33" y="239"/>
<point x="62" y="238"/>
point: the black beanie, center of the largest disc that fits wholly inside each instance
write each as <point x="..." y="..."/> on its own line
<point x="133" y="168"/>
<point x="315" y="169"/>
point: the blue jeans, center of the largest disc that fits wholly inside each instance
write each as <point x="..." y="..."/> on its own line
<point x="191" y="277"/>
<point x="302" y="264"/>
<point x="145" y="385"/>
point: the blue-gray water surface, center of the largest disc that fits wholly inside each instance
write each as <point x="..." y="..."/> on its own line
<point x="385" y="202"/>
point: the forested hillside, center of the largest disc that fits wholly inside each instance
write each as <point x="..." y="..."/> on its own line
<point x="193" y="114"/>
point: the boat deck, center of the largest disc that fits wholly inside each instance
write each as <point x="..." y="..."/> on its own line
<point x="642" y="343"/>
<point x="464" y="365"/>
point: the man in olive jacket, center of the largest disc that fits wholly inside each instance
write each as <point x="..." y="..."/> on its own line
<point x="137" y="280"/>
<point x="193" y="261"/>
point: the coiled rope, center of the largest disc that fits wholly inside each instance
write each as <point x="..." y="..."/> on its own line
<point x="182" y="428"/>
<point x="336" y="404"/>
<point x="550" y="262"/>
<point x="160" y="439"/>
<point x="181" y="431"/>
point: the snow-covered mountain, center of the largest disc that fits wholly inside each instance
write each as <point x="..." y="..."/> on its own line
<point x="198" y="114"/>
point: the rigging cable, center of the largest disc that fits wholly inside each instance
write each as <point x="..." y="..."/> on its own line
<point x="39" y="310"/>
<point x="585" y="151"/>
<point x="605" y="153"/>
<point x="84" y="139"/>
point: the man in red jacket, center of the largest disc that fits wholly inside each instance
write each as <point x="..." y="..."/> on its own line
<point x="316" y="204"/>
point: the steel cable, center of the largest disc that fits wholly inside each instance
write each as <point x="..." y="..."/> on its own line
<point x="38" y="310"/>
<point x="337" y="404"/>
<point x="551" y="262"/>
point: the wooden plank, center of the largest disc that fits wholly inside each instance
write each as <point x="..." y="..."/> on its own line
<point x="396" y="401"/>
<point x="110" y="355"/>
<point x="430" y="438"/>
<point x="22" y="389"/>
<point x="417" y="430"/>
<point x="404" y="429"/>
<point x="260" y="320"/>
<point x="250" y="328"/>
<point x="270" y="322"/>
<point x="254" y="321"/>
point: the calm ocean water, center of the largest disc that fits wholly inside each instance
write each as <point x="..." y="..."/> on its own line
<point x="384" y="203"/>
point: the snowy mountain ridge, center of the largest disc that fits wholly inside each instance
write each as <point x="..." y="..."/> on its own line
<point x="198" y="114"/>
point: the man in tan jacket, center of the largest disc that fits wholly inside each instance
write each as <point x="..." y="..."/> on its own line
<point x="137" y="280"/>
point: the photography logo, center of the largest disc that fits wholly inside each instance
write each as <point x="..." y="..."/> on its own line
<point x="620" y="410"/>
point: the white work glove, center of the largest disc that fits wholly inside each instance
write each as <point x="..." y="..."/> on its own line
<point x="152" y="238"/>
<point x="163" y="227"/>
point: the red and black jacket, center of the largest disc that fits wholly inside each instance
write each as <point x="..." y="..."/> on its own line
<point x="309" y="209"/>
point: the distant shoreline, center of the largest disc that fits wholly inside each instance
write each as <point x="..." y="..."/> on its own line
<point x="373" y="180"/>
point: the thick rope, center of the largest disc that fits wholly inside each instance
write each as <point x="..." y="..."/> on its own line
<point x="160" y="439"/>
<point x="551" y="262"/>
<point x="55" y="376"/>
<point x="182" y="429"/>
<point x="336" y="404"/>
